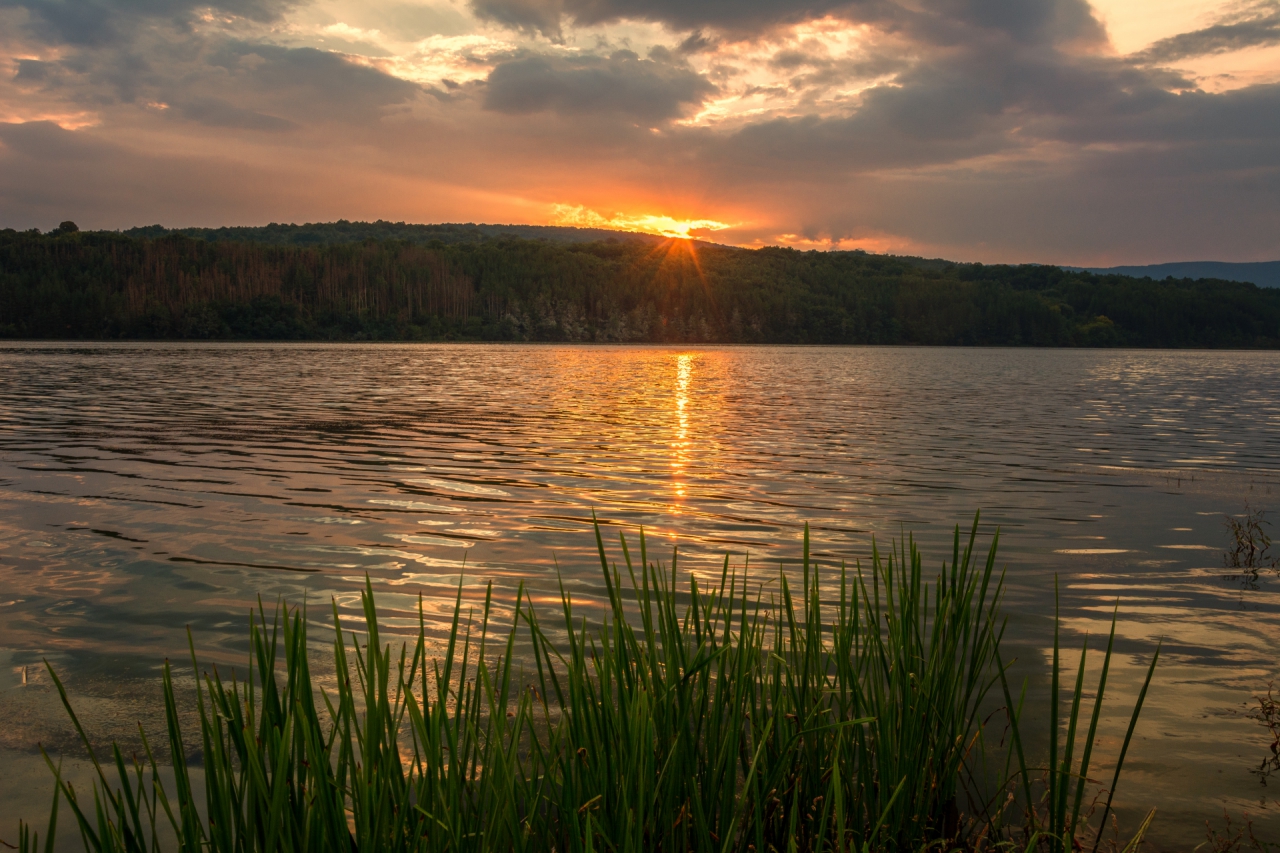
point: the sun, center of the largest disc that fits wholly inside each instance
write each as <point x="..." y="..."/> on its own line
<point x="649" y="223"/>
<point x="668" y="226"/>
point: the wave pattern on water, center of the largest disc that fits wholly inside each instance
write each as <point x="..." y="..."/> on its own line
<point x="149" y="487"/>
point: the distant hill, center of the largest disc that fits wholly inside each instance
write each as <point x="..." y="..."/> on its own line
<point x="391" y="281"/>
<point x="1266" y="274"/>
<point x="1263" y="274"/>
<point x="342" y="231"/>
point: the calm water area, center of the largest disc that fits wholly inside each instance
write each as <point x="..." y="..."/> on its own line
<point x="145" y="488"/>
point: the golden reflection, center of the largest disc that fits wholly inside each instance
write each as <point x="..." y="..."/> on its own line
<point x="681" y="445"/>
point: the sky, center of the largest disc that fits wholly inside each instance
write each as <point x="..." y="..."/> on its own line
<point x="1054" y="131"/>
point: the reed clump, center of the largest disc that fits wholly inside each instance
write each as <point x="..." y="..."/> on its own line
<point x="845" y="715"/>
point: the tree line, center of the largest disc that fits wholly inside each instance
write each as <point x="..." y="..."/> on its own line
<point x="106" y="285"/>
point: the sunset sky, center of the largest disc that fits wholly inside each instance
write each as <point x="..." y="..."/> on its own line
<point x="1123" y="131"/>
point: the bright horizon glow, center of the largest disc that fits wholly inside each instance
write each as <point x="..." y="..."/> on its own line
<point x="648" y="223"/>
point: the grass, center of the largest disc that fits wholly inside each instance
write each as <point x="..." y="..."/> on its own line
<point x="841" y="715"/>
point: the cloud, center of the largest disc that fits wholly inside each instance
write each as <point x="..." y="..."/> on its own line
<point x="218" y="113"/>
<point x="219" y="82"/>
<point x="1037" y="22"/>
<point x="32" y="71"/>
<point x="649" y="90"/>
<point x="537" y="16"/>
<point x="1259" y="26"/>
<point x="980" y="129"/>
<point x="1033" y="21"/>
<point x="1221" y="124"/>
<point x="100" y="22"/>
<point x="971" y="100"/>
<point x="955" y="120"/>
<point x="734" y="16"/>
<point x="309" y="82"/>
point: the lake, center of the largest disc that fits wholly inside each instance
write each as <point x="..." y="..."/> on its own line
<point x="145" y="488"/>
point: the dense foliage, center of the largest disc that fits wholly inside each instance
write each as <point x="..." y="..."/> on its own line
<point x="102" y="285"/>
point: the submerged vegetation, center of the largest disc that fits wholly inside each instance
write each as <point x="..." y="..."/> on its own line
<point x="848" y="710"/>
<point x="1250" y="546"/>
<point x="361" y="281"/>
<point x="1268" y="713"/>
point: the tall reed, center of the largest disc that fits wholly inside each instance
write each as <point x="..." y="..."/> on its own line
<point x="840" y="713"/>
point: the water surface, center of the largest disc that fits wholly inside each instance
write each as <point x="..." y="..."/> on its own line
<point x="147" y="488"/>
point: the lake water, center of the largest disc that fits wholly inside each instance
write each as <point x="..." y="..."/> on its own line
<point x="145" y="488"/>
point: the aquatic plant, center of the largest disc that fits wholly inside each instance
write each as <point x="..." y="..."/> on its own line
<point x="1268" y="713"/>
<point x="1250" y="546"/>
<point x="843" y="713"/>
<point x="1235" y="838"/>
<point x="1057" y="817"/>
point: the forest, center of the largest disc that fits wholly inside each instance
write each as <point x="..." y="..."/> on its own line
<point x="388" y="281"/>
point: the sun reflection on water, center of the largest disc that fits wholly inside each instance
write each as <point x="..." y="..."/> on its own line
<point x="681" y="445"/>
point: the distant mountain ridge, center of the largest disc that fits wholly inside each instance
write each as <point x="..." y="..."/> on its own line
<point x="1262" y="273"/>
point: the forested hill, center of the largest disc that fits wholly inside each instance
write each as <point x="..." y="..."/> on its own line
<point x="104" y="285"/>
<point x="342" y="231"/>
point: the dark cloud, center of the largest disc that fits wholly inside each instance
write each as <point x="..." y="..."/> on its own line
<point x="307" y="80"/>
<point x="889" y="132"/>
<point x="935" y="21"/>
<point x="1004" y="99"/>
<point x="1228" y="121"/>
<point x="1039" y="22"/>
<point x="813" y="66"/>
<point x="218" y="113"/>
<point x="91" y="77"/>
<point x="32" y="71"/>
<point x="534" y="16"/>
<point x="696" y="42"/>
<point x="954" y="107"/>
<point x="651" y="90"/>
<point x="223" y="83"/>
<point x="1264" y="29"/>
<point x="101" y="22"/>
<point x="791" y="60"/>
<point x="70" y="22"/>
<point x="736" y="16"/>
